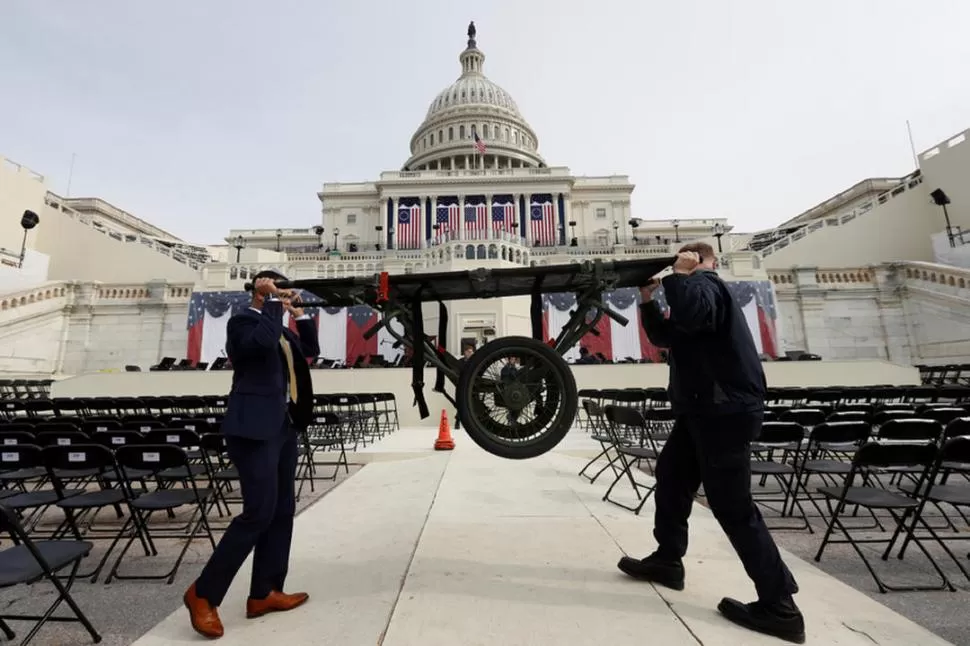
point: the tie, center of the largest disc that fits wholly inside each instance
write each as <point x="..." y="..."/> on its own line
<point x="288" y="352"/>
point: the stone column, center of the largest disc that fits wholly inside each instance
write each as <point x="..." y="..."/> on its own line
<point x="394" y="239"/>
<point x="488" y="217"/>
<point x="811" y="305"/>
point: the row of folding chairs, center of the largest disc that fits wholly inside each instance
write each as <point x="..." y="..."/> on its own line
<point x="846" y="459"/>
<point x="954" y="373"/>
<point x="24" y="389"/>
<point x="779" y="400"/>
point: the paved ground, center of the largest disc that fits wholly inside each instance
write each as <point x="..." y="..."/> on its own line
<point x="463" y="548"/>
<point x="122" y="611"/>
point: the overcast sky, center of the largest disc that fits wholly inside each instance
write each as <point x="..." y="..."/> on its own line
<point x="204" y="116"/>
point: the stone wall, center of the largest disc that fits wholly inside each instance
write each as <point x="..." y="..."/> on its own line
<point x="72" y="327"/>
<point x="906" y="312"/>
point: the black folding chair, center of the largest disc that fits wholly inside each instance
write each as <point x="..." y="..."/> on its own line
<point x="157" y="459"/>
<point x="598" y="432"/>
<point x="67" y="459"/>
<point x="631" y="421"/>
<point x="28" y="561"/>
<point x="954" y="455"/>
<point x="785" y="438"/>
<point x="870" y="458"/>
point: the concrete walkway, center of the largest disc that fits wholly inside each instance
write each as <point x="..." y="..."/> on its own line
<point x="463" y="548"/>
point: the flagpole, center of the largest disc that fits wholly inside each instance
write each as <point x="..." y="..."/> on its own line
<point x="912" y="146"/>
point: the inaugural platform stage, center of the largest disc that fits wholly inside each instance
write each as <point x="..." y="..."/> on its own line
<point x="398" y="381"/>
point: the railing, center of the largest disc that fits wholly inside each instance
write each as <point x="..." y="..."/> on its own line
<point x="907" y="184"/>
<point x="45" y="292"/>
<point x="922" y="275"/>
<point x="473" y="172"/>
<point x="95" y="292"/>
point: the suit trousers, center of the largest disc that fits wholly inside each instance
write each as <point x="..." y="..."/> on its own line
<point x="716" y="451"/>
<point x="267" y="472"/>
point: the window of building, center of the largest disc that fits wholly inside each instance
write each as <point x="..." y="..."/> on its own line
<point x="432" y="139"/>
<point x="351" y="218"/>
<point x="461" y="132"/>
<point x="485" y="131"/>
<point x="506" y="137"/>
<point x="441" y="136"/>
<point x="601" y="213"/>
<point x="451" y="133"/>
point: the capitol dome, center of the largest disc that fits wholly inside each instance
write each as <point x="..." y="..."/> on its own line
<point x="472" y="105"/>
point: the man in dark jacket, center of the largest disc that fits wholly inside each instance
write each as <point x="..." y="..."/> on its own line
<point x="271" y="398"/>
<point x="717" y="389"/>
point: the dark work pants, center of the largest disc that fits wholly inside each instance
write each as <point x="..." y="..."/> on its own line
<point x="716" y="451"/>
<point x="267" y="470"/>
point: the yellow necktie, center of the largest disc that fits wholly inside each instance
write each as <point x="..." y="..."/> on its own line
<point x="288" y="353"/>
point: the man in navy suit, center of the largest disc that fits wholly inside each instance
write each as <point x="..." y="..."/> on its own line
<point x="271" y="398"/>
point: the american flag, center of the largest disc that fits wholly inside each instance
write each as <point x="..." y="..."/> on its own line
<point x="503" y="215"/>
<point x="479" y="144"/>
<point x="476" y="220"/>
<point x="447" y="220"/>
<point x="409" y="227"/>
<point x="543" y="224"/>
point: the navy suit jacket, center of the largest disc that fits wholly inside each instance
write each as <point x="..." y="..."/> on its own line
<point x="257" y="406"/>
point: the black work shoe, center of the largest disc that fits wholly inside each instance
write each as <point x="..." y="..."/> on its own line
<point x="654" y="569"/>
<point x="782" y="620"/>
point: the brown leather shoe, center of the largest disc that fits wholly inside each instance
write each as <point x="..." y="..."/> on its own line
<point x="275" y="602"/>
<point x="205" y="619"/>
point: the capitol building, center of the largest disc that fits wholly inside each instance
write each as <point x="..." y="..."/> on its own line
<point x="877" y="272"/>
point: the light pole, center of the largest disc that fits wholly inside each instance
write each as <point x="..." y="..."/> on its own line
<point x="676" y="225"/>
<point x="378" y="229"/>
<point x="336" y="232"/>
<point x="239" y="243"/>
<point x="616" y="232"/>
<point x="279" y="239"/>
<point x="942" y="199"/>
<point x="28" y="221"/>
<point x="634" y="224"/>
<point x="319" y="231"/>
<point x="718" y="232"/>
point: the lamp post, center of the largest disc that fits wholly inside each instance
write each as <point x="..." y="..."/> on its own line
<point x="676" y="225"/>
<point x="319" y="231"/>
<point x="390" y="237"/>
<point x="634" y="224"/>
<point x="279" y="239"/>
<point x="239" y="243"/>
<point x="378" y="229"/>
<point x="28" y="221"/>
<point x="718" y="232"/>
<point x="572" y="233"/>
<point x="616" y="232"/>
<point x="336" y="232"/>
<point x="942" y="199"/>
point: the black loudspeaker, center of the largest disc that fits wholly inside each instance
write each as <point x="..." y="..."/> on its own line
<point x="29" y="220"/>
<point x="939" y="197"/>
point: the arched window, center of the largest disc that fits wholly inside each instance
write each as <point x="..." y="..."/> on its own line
<point x="441" y="136"/>
<point x="451" y="133"/>
<point x="485" y="131"/>
<point x="432" y="139"/>
<point x="506" y="137"/>
<point x="461" y="132"/>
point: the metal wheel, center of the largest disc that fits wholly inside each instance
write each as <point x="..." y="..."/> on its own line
<point x="516" y="397"/>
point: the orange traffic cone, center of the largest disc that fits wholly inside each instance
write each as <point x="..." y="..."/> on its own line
<point x="444" y="441"/>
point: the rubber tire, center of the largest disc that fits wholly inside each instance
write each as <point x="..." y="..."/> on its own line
<point x="561" y="424"/>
